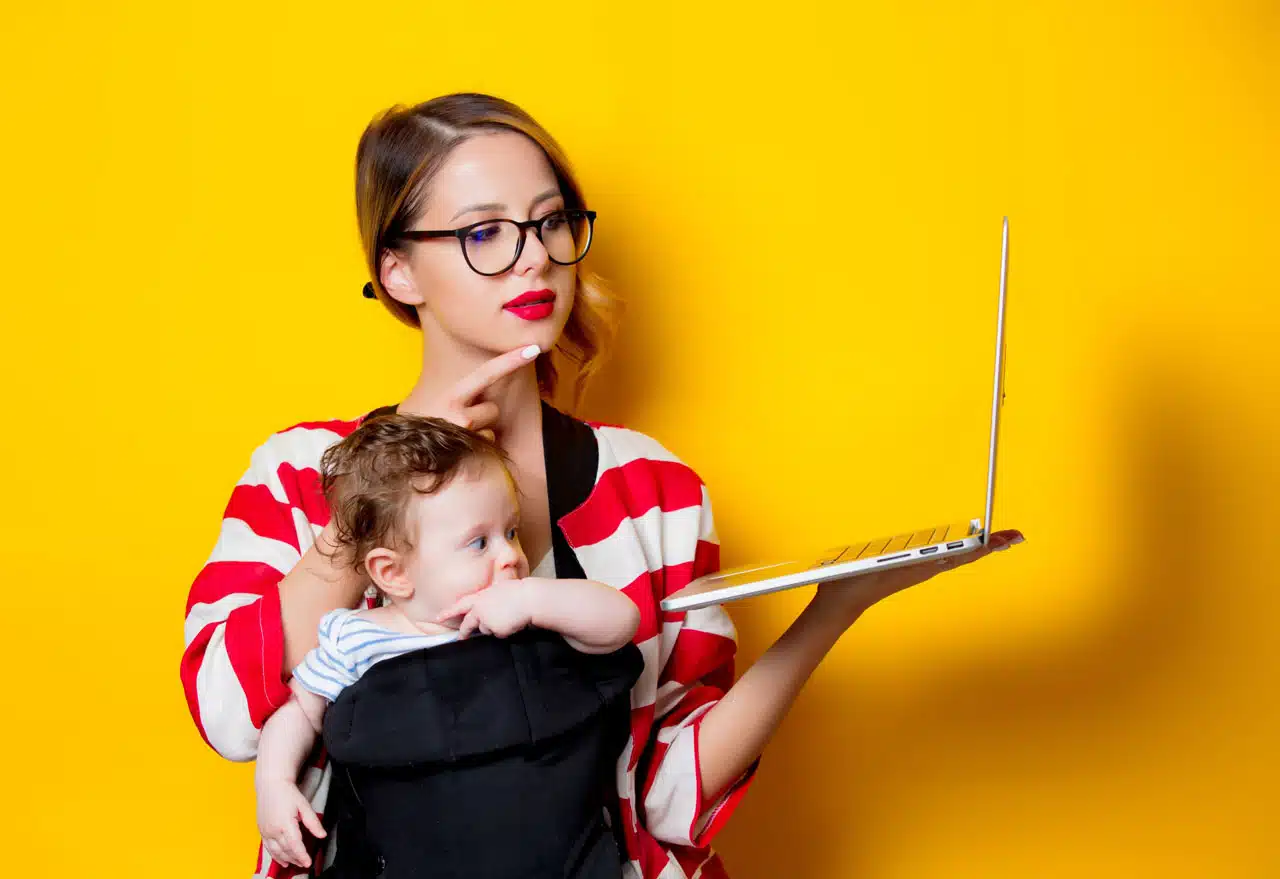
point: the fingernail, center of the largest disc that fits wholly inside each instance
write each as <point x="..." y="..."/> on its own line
<point x="531" y="352"/>
<point x="1002" y="547"/>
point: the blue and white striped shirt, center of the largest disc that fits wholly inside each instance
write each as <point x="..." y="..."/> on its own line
<point x="350" y="646"/>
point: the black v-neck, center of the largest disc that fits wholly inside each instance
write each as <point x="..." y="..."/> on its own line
<point x="571" y="457"/>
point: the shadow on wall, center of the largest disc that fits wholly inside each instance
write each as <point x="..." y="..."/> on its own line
<point x="1076" y="690"/>
<point x="836" y="774"/>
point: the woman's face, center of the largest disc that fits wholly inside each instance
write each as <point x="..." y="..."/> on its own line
<point x="500" y="175"/>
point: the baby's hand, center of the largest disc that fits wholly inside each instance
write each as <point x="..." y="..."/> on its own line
<point x="280" y="805"/>
<point x="500" y="610"/>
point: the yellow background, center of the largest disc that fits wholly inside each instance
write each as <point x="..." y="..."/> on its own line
<point x="802" y="204"/>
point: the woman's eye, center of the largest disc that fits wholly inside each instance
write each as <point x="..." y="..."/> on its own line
<point x="552" y="222"/>
<point x="479" y="544"/>
<point x="483" y="234"/>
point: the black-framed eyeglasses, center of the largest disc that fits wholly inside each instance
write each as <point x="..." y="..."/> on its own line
<point x="492" y="247"/>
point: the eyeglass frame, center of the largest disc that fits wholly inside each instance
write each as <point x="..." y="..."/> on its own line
<point x="523" y="227"/>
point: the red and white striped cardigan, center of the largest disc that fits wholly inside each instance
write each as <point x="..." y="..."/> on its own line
<point x="639" y="520"/>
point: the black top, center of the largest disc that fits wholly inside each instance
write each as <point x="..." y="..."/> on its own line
<point x="487" y="758"/>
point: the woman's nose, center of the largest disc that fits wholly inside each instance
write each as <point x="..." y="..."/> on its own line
<point x="534" y="255"/>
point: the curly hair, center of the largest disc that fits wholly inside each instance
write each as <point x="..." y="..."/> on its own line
<point x="369" y="478"/>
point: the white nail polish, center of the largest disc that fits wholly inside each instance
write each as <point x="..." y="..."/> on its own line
<point x="531" y="352"/>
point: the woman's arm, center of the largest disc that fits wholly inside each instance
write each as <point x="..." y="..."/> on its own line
<point x="315" y="586"/>
<point x="736" y="729"/>
<point x="241" y="634"/>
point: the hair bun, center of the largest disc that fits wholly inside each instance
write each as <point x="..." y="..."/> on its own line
<point x="367" y="290"/>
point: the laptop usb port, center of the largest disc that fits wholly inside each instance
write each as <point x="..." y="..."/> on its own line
<point x="956" y="545"/>
<point x="928" y="549"/>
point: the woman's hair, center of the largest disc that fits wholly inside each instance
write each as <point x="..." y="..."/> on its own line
<point x="399" y="153"/>
<point x="370" y="476"/>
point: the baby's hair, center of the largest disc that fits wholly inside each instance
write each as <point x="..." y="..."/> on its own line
<point x="370" y="476"/>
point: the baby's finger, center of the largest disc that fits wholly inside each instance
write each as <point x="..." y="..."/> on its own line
<point x="278" y="851"/>
<point x="312" y="820"/>
<point x="273" y="850"/>
<point x="295" y="850"/>
<point x="466" y="604"/>
<point x="459" y="608"/>
<point x="468" y="624"/>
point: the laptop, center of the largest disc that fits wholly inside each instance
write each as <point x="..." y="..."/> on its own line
<point x="864" y="556"/>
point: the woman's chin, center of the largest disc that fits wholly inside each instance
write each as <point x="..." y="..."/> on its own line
<point x="544" y="334"/>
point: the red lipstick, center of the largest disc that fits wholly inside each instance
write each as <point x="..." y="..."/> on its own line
<point x="533" y="305"/>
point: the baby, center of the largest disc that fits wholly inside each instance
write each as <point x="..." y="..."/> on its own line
<point x="484" y="757"/>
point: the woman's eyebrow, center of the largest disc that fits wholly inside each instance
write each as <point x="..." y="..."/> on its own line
<point x="487" y="206"/>
<point x="549" y="194"/>
<point x="499" y="206"/>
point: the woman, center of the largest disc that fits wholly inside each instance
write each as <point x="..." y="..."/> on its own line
<point x="474" y="229"/>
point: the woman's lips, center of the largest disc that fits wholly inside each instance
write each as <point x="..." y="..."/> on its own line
<point x="534" y="305"/>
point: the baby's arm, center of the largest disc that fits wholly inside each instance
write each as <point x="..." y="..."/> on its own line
<point x="592" y="617"/>
<point x="287" y="738"/>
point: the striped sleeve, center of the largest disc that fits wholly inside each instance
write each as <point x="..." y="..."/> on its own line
<point x="697" y="649"/>
<point x="232" y="666"/>
<point x="648" y="529"/>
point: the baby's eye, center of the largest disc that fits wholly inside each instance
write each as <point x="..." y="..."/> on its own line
<point x="479" y="544"/>
<point x="511" y="534"/>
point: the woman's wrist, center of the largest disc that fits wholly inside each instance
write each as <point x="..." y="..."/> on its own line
<point x="836" y="606"/>
<point x="737" y="728"/>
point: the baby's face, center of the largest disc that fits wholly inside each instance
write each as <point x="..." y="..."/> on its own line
<point x="464" y="537"/>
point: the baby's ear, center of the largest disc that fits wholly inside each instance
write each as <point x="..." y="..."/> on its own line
<point x="387" y="570"/>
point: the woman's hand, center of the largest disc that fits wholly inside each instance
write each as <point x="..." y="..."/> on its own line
<point x="849" y="598"/>
<point x="464" y="404"/>
<point x="737" y="727"/>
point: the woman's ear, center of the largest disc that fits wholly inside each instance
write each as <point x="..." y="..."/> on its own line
<point x="387" y="570"/>
<point x="398" y="280"/>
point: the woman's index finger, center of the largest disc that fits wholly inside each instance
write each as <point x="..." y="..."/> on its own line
<point x="490" y="371"/>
